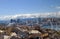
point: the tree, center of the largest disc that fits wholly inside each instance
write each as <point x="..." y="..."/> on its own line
<point x="39" y="20"/>
<point x="18" y="20"/>
<point x="12" y="20"/>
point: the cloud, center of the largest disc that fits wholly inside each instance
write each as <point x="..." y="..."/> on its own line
<point x="58" y="7"/>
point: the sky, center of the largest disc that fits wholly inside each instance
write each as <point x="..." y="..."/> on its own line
<point x="11" y="7"/>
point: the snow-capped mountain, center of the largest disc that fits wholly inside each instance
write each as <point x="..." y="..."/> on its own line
<point x="19" y="16"/>
<point x="30" y="15"/>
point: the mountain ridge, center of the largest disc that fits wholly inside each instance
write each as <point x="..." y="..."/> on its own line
<point x="29" y="16"/>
